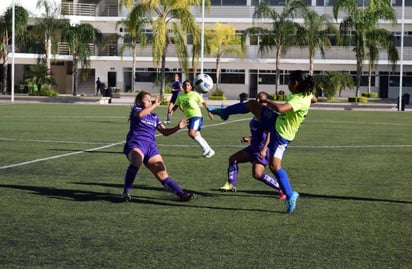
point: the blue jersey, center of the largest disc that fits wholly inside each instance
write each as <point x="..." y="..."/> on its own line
<point x="143" y="129"/>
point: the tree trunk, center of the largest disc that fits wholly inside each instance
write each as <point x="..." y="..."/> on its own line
<point x="134" y="67"/>
<point x="163" y="72"/>
<point x="217" y="72"/>
<point x="74" y="75"/>
<point x="278" y="50"/>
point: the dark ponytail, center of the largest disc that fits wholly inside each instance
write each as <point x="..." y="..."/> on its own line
<point x="306" y="84"/>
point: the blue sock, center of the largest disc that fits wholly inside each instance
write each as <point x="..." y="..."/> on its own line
<point x="232" y="173"/>
<point x="131" y="173"/>
<point x="283" y="181"/>
<point x="239" y="108"/>
<point x="172" y="186"/>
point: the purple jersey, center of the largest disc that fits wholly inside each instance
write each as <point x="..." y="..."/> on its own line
<point x="258" y="139"/>
<point x="142" y="130"/>
<point x="258" y="134"/>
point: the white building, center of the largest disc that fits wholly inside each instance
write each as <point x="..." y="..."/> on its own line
<point x="251" y="74"/>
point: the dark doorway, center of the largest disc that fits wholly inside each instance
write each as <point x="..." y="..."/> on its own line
<point x="383" y="85"/>
<point x="253" y="84"/>
<point x="111" y="79"/>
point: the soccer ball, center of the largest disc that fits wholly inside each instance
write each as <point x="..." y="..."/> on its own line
<point x="203" y="83"/>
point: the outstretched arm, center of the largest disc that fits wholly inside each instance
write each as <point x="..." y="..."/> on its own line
<point x="168" y="131"/>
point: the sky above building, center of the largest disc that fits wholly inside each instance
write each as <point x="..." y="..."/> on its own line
<point x="29" y="5"/>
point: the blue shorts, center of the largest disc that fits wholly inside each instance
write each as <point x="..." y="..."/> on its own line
<point x="195" y="123"/>
<point x="277" y="144"/>
<point x="148" y="149"/>
<point x="254" y="154"/>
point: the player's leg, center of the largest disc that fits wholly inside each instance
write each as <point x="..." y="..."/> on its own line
<point x="195" y="125"/>
<point x="233" y="169"/>
<point x="135" y="157"/>
<point x="252" y="106"/>
<point x="158" y="168"/>
<point x="284" y="183"/>
<point x="258" y="172"/>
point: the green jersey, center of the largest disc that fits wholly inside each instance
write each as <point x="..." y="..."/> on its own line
<point x="288" y="122"/>
<point x="190" y="103"/>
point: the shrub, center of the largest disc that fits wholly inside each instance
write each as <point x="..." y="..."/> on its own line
<point x="217" y="92"/>
<point x="361" y="99"/>
<point x="214" y="97"/>
<point x="370" y="95"/>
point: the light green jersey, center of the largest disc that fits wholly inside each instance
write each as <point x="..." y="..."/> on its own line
<point x="190" y="103"/>
<point x="288" y="123"/>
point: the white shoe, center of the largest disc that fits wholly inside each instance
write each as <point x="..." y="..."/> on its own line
<point x="209" y="154"/>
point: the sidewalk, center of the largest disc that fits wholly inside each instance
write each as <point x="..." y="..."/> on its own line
<point x="128" y="99"/>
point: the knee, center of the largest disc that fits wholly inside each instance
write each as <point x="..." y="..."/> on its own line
<point x="257" y="174"/>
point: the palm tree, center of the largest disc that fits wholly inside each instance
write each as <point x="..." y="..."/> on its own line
<point x="49" y="27"/>
<point x="280" y="36"/>
<point x="21" y="19"/>
<point x="173" y="21"/>
<point x="316" y="34"/>
<point x="358" y="21"/>
<point x="333" y="81"/>
<point x="135" y="24"/>
<point x="221" y="40"/>
<point x="79" y="39"/>
<point x="377" y="39"/>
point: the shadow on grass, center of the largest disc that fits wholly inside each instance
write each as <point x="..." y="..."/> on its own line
<point x="322" y="196"/>
<point x="87" y="196"/>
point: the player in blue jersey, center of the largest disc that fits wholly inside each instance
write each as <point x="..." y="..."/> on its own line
<point x="140" y="147"/>
<point x="189" y="102"/>
<point x="176" y="90"/>
<point x="257" y="153"/>
<point x="282" y="121"/>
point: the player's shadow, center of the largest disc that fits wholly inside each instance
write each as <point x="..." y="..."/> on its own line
<point x="87" y="196"/>
<point x="323" y="196"/>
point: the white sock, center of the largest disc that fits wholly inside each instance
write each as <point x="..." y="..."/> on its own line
<point x="202" y="142"/>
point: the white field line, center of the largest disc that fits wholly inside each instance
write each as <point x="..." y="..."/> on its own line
<point x="81" y="151"/>
<point x="166" y="145"/>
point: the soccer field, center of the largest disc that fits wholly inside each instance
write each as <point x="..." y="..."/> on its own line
<point x="61" y="174"/>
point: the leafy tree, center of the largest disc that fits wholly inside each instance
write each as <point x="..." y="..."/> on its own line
<point x="173" y="21"/>
<point x="281" y="33"/>
<point x="222" y="40"/>
<point x="377" y="39"/>
<point x="48" y="28"/>
<point x="358" y="21"/>
<point x="21" y="19"/>
<point x="135" y="24"/>
<point x="79" y="39"/>
<point x="332" y="82"/>
<point x="39" y="75"/>
<point x="316" y="34"/>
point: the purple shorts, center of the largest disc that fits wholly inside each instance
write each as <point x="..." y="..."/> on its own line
<point x="148" y="149"/>
<point x="255" y="155"/>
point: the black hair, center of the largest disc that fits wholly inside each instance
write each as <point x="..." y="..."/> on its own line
<point x="139" y="97"/>
<point x="184" y="83"/>
<point x="267" y="95"/>
<point x="306" y="84"/>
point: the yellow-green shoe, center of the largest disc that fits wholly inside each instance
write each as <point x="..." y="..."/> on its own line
<point x="228" y="187"/>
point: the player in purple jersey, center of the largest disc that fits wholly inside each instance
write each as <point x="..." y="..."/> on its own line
<point x="176" y="90"/>
<point x="282" y="120"/>
<point x="140" y="147"/>
<point x="257" y="153"/>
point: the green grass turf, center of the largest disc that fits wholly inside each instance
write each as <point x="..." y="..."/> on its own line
<point x="61" y="173"/>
